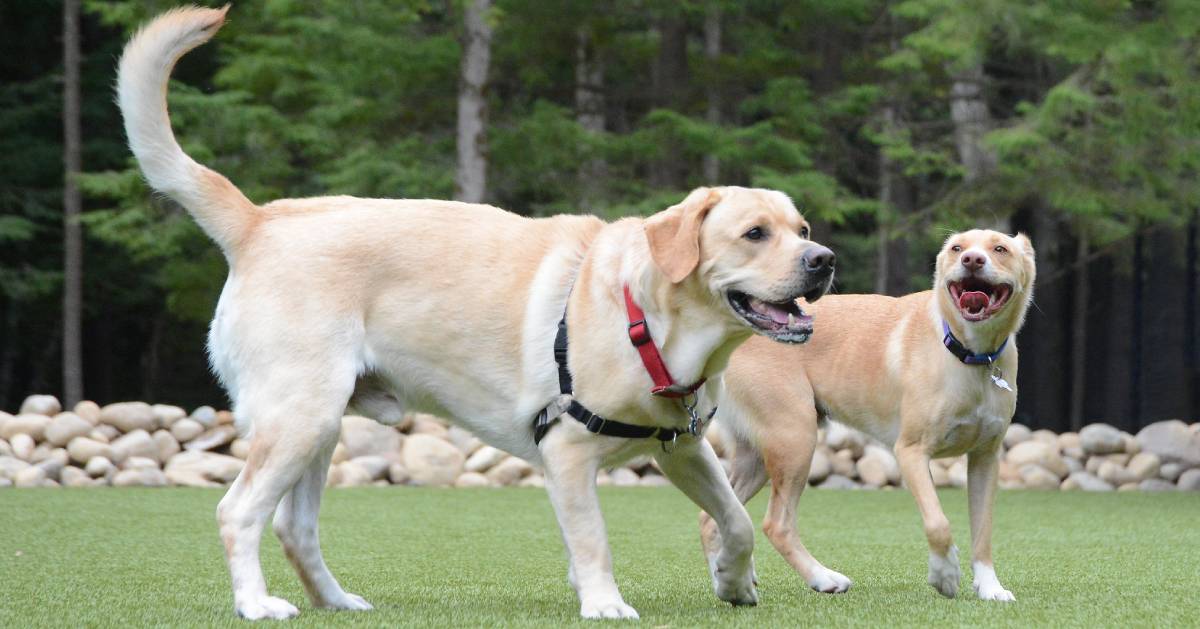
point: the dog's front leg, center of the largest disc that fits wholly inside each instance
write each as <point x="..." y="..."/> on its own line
<point x="944" y="573"/>
<point x="571" y="468"/>
<point x="982" y="469"/>
<point x="693" y="467"/>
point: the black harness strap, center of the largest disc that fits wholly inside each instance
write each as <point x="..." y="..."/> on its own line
<point x="597" y="424"/>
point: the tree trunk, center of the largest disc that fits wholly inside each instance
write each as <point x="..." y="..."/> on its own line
<point x="1079" y="333"/>
<point x="1139" y="283"/>
<point x="897" y="202"/>
<point x="471" y="178"/>
<point x="72" y="344"/>
<point x="670" y="91"/>
<point x="8" y="352"/>
<point x="1190" y="315"/>
<point x="712" y="54"/>
<point x="969" y="112"/>
<point x="590" y="112"/>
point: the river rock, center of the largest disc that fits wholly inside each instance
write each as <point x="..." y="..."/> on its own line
<point x="135" y="443"/>
<point x="129" y="416"/>
<point x="27" y="423"/>
<point x="167" y="415"/>
<point x="1017" y="433"/>
<point x="31" y="476"/>
<point x="472" y="479"/>
<point x="1172" y="441"/>
<point x="1040" y="453"/>
<point x="958" y="473"/>
<point x="624" y="477"/>
<point x="509" y="471"/>
<point x="47" y="405"/>
<point x="351" y="474"/>
<point x="22" y="446"/>
<point x="65" y="427"/>
<point x="1170" y="471"/>
<point x="841" y="437"/>
<point x="375" y="465"/>
<point x="938" y="474"/>
<point x="462" y="439"/>
<point x="365" y="437"/>
<point x="1156" y="484"/>
<point x="240" y="448"/>
<point x="431" y="461"/>
<point x="185" y="478"/>
<point x="484" y="459"/>
<point x="428" y="425"/>
<point x="1189" y="480"/>
<point x="74" y="477"/>
<point x="167" y="445"/>
<point x="212" y="438"/>
<point x="1037" y="477"/>
<point x="1114" y="474"/>
<point x="1087" y="482"/>
<point x="1047" y="437"/>
<point x="537" y="480"/>
<point x="108" y="432"/>
<point x="1144" y="465"/>
<point x="219" y="468"/>
<point x="9" y="466"/>
<point x="186" y="429"/>
<point x="843" y="464"/>
<point x="89" y="411"/>
<point x="205" y="416"/>
<point x="398" y="474"/>
<point x="878" y="467"/>
<point x="82" y="449"/>
<point x="821" y="466"/>
<point x="1101" y="439"/>
<point x="837" y="481"/>
<point x="99" y="466"/>
<point x="226" y="418"/>
<point x="5" y="448"/>
<point x="142" y="476"/>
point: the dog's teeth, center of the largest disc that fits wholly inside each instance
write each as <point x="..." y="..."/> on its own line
<point x="791" y="320"/>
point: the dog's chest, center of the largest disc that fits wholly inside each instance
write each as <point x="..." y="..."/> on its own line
<point x="963" y="431"/>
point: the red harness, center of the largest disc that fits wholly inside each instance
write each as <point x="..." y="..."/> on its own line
<point x="639" y="335"/>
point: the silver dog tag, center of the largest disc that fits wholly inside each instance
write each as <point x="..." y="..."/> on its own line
<point x="998" y="379"/>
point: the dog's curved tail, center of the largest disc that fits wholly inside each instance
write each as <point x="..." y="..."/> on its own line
<point x="224" y="213"/>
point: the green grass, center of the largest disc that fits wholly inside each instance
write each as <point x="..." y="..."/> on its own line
<point x="427" y="557"/>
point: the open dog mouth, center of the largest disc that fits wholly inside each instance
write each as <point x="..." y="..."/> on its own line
<point x="782" y="321"/>
<point x="977" y="299"/>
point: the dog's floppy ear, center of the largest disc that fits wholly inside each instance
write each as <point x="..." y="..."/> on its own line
<point x="674" y="233"/>
<point x="1026" y="245"/>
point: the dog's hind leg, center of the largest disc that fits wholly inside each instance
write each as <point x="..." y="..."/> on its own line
<point x="296" y="414"/>
<point x="296" y="526"/>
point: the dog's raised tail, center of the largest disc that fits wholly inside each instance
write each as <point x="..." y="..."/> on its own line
<point x="218" y="206"/>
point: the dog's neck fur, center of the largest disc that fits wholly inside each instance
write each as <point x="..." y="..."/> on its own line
<point x="980" y="337"/>
<point x="694" y="338"/>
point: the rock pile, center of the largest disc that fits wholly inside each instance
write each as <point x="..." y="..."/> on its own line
<point x="138" y="444"/>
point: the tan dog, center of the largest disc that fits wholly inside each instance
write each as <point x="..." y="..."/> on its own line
<point x="880" y="364"/>
<point x="452" y="308"/>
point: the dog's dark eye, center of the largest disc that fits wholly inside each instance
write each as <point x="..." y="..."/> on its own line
<point x="1001" y="249"/>
<point x="804" y="232"/>
<point x="755" y="233"/>
<point x="956" y="248"/>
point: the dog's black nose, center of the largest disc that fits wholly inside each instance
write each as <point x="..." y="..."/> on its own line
<point x="818" y="259"/>
<point x="974" y="261"/>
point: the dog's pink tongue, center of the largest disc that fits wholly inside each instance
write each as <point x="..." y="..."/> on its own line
<point x="973" y="301"/>
<point x="769" y="311"/>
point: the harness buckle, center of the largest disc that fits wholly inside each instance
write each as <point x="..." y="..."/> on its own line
<point x="639" y="333"/>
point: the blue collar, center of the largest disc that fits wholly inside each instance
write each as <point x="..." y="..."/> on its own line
<point x="965" y="355"/>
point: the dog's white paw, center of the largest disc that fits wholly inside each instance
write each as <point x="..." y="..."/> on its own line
<point x="607" y="608"/>
<point x="267" y="608"/>
<point x="348" y="602"/>
<point x="829" y="581"/>
<point x="944" y="573"/>
<point x="987" y="586"/>
<point x="736" y="586"/>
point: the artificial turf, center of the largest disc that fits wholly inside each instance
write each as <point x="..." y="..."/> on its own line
<point x="433" y="558"/>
